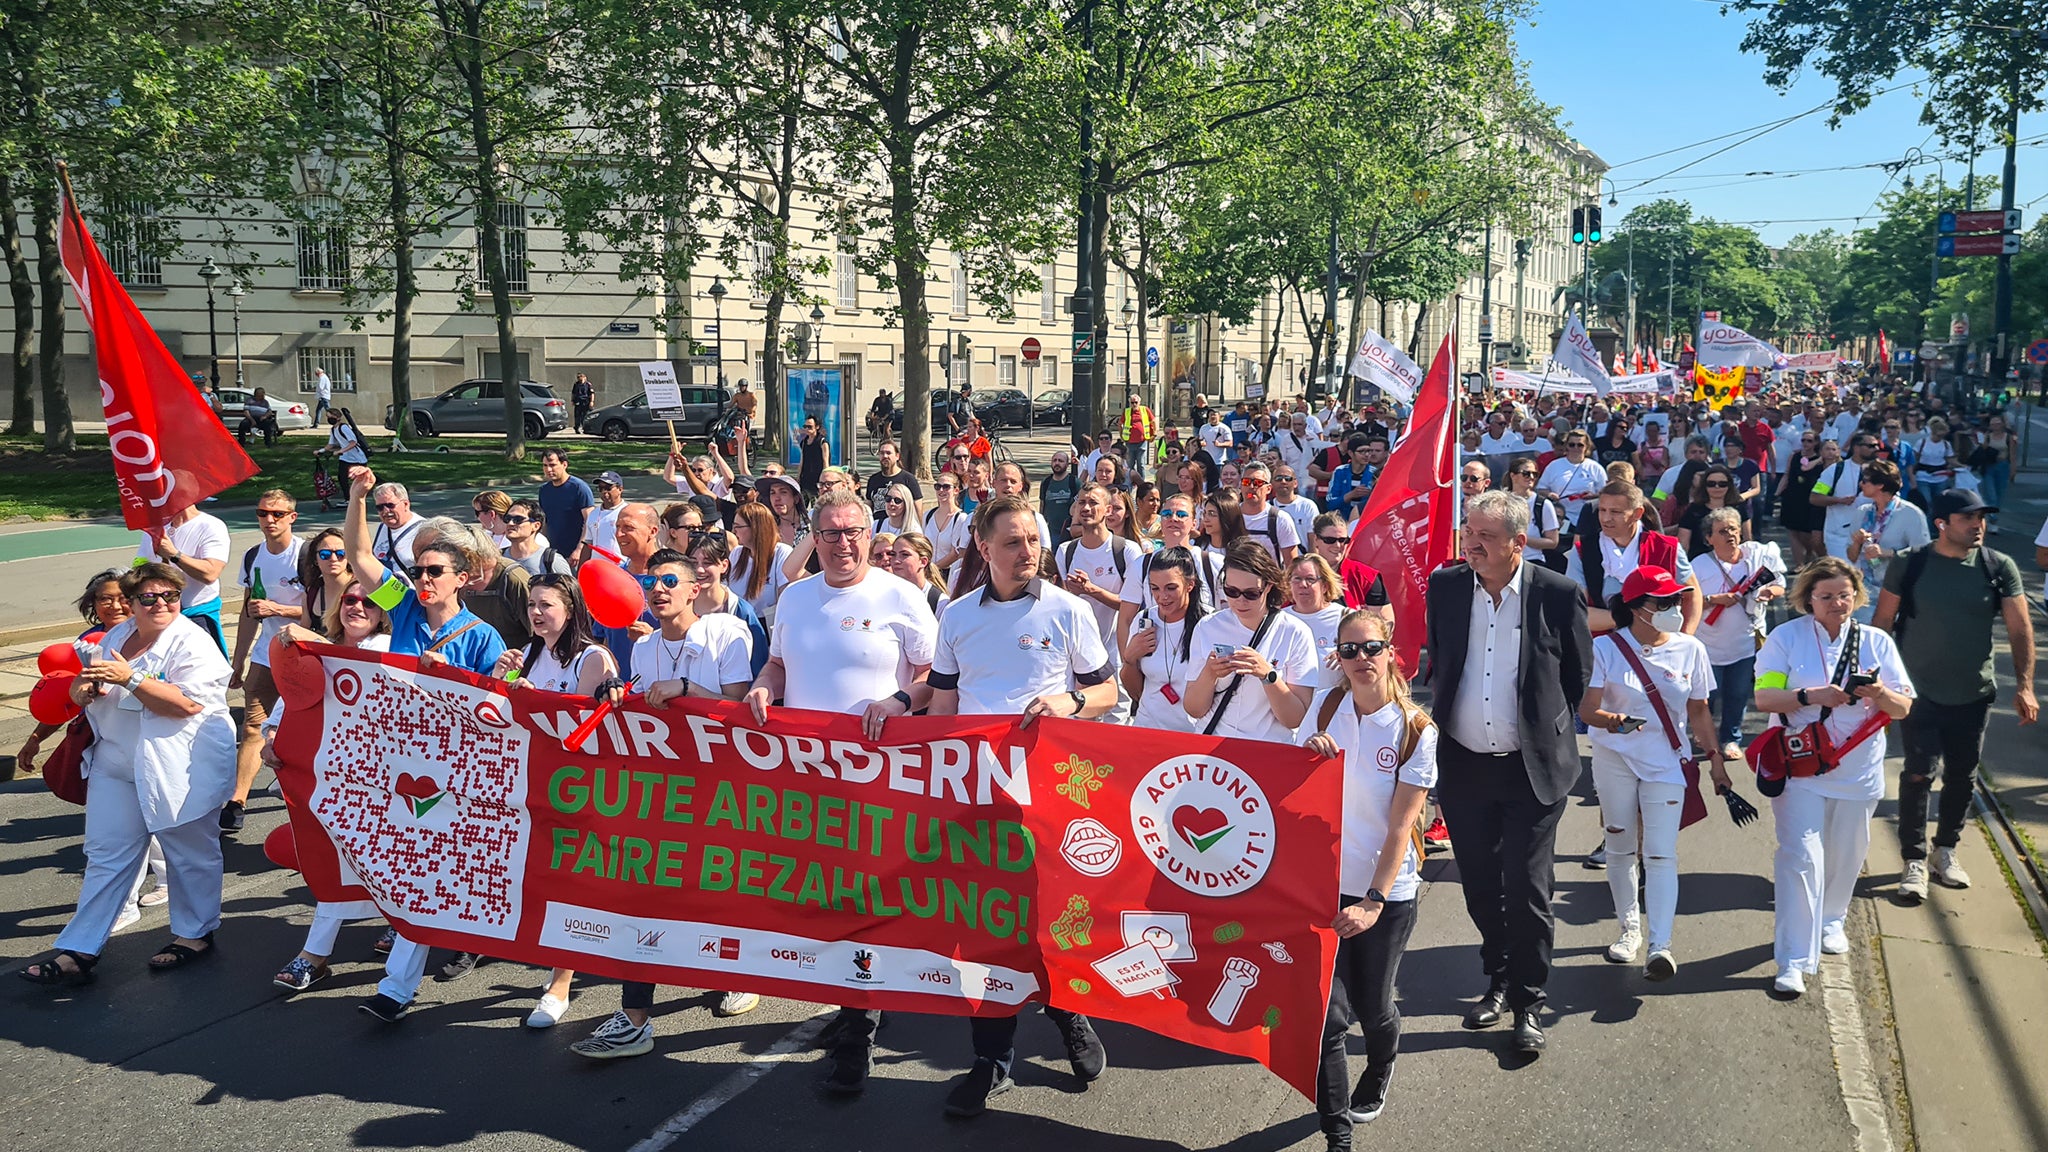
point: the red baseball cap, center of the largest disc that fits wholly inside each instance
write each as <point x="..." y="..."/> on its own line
<point x="1650" y="582"/>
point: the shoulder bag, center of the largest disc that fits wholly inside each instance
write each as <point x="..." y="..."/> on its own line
<point x="1695" y="808"/>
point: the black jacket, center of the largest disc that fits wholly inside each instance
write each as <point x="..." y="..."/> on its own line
<point x="1556" y="663"/>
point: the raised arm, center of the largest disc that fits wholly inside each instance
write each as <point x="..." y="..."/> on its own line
<point x="355" y="531"/>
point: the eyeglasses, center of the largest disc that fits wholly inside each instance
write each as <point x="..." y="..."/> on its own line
<point x="518" y="520"/>
<point x="1175" y="514"/>
<point x="665" y="580"/>
<point x="354" y="600"/>
<point x="840" y="535"/>
<point x="1333" y="541"/>
<point x="946" y="487"/>
<point x="1468" y="479"/>
<point x="271" y="514"/>
<point x="431" y="571"/>
<point x="330" y="554"/>
<point x="1309" y="581"/>
<point x="391" y="506"/>
<point x="1524" y="475"/>
<point x="1243" y="593"/>
<point x="1719" y="484"/>
<point x="895" y="499"/>
<point x="961" y="456"/>
<point x="1353" y="649"/>
<point x="152" y="599"/>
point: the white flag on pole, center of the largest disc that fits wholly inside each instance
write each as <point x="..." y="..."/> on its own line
<point x="1726" y="346"/>
<point x="1577" y="355"/>
<point x="1380" y="361"/>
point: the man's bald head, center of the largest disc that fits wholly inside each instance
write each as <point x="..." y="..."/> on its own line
<point x="639" y="530"/>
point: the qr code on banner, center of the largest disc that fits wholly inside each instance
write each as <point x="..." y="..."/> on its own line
<point x="419" y="782"/>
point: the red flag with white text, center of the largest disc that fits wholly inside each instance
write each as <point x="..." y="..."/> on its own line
<point x="170" y="450"/>
<point x="1884" y="352"/>
<point x="1406" y="529"/>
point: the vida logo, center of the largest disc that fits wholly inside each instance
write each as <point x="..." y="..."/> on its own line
<point x="420" y="793"/>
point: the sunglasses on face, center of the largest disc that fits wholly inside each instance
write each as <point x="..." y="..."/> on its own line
<point x="960" y="456"/>
<point x="354" y="600"/>
<point x="152" y="599"/>
<point x="330" y="554"/>
<point x="1244" y="593"/>
<point x="1353" y="649"/>
<point x="1468" y="479"/>
<point x="1252" y="482"/>
<point x="268" y="514"/>
<point x="387" y="507"/>
<point x="1523" y="475"/>
<point x="947" y="487"/>
<point x="667" y="580"/>
<point x="1174" y="514"/>
<point x="1719" y="484"/>
<point x="515" y="521"/>
<point x="895" y="499"/>
<point x="430" y="571"/>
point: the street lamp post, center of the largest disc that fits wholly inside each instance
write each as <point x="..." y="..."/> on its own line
<point x="717" y="291"/>
<point x="1130" y="311"/>
<point x="235" y="293"/>
<point x="817" y="334"/>
<point x="210" y="272"/>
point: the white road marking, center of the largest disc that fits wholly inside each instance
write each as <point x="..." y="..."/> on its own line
<point x="1862" y="1091"/>
<point x="796" y="1040"/>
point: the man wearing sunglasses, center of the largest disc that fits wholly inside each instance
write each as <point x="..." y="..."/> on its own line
<point x="601" y="523"/>
<point x="1176" y="530"/>
<point x="271" y="598"/>
<point x="524" y="543"/>
<point x="857" y="640"/>
<point x="1287" y="498"/>
<point x="1274" y="530"/>
<point x="196" y="543"/>
<point x="889" y="470"/>
<point x="639" y="538"/>
<point x="396" y="523"/>
<point x="1019" y="644"/>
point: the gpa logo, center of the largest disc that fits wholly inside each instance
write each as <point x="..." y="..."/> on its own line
<point x="1205" y="824"/>
<point x="863" y="967"/>
<point x="718" y="948"/>
<point x="846" y="624"/>
<point x="590" y="930"/>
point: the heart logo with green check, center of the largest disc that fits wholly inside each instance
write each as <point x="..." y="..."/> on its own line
<point x="1200" y="827"/>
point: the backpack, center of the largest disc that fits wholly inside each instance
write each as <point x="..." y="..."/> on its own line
<point x="1116" y="555"/>
<point x="1411" y="735"/>
<point x="1916" y="565"/>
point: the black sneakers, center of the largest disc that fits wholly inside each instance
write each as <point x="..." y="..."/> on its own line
<point x="970" y="1096"/>
<point x="1369" y="1099"/>
<point x="850" y="1070"/>
<point x="231" y="817"/>
<point x="462" y="964"/>
<point x="383" y="1008"/>
<point x="1084" y="1050"/>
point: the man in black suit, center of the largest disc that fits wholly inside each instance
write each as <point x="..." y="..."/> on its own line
<point x="1509" y="658"/>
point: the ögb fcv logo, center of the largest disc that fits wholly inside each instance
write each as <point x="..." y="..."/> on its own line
<point x="1205" y="824"/>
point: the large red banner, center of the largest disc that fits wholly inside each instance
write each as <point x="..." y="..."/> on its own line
<point x="965" y="866"/>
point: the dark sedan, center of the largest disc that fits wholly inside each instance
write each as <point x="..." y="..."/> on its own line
<point x="1003" y="406"/>
<point x="1053" y="406"/>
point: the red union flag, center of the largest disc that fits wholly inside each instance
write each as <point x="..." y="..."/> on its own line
<point x="170" y="451"/>
<point x="967" y="867"/>
<point x="1405" y="529"/>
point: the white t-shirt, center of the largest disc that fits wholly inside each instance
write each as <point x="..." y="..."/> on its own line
<point x="719" y="649"/>
<point x="1290" y="647"/>
<point x="1277" y="533"/>
<point x="280" y="574"/>
<point x="771" y="586"/>
<point x="1372" y="768"/>
<point x="1682" y="672"/>
<point x="553" y="675"/>
<point x="1936" y="458"/>
<point x="1799" y="654"/>
<point x="1732" y="637"/>
<point x="1323" y="626"/>
<point x="1008" y="653"/>
<point x="393" y="549"/>
<point x="203" y="537"/>
<point x="844" y="648"/>
<point x="1841" y="478"/>
<point x="1574" y="485"/>
<point x="1502" y="445"/>
<point x="1303" y="511"/>
<point x="1216" y="437"/>
<point x="601" y="527"/>
<point x="323" y="385"/>
<point x="1542" y="517"/>
<point x="341" y="440"/>
<point x="1100" y="566"/>
<point x="1208" y="573"/>
<point x="1164" y="670"/>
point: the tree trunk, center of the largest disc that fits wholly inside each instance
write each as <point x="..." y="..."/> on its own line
<point x="1098" y="288"/>
<point x="469" y="51"/>
<point x="1415" y="336"/>
<point x="908" y="245"/>
<point x="405" y="284"/>
<point x="775" y="396"/>
<point x="58" y="434"/>
<point x="21" y="284"/>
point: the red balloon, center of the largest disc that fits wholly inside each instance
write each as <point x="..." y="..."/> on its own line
<point x="59" y="658"/>
<point x="611" y="593"/>
<point x="50" y="700"/>
<point x="282" y="847"/>
<point x="92" y="637"/>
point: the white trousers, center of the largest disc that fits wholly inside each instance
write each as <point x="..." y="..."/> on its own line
<point x="116" y="849"/>
<point x="1632" y="809"/>
<point x="1821" y="845"/>
<point x="155" y="863"/>
<point x="403" y="970"/>
<point x="328" y="917"/>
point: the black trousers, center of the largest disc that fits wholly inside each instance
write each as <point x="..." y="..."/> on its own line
<point x="1503" y="839"/>
<point x="1362" y="988"/>
<point x="995" y="1037"/>
<point x="1952" y="734"/>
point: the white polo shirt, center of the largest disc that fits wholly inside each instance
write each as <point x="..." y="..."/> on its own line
<point x="1799" y="654"/>
<point x="1002" y="654"/>
<point x="844" y="648"/>
<point x="203" y="537"/>
<point x="1274" y="530"/>
<point x="280" y="573"/>
<point x="1303" y="511"/>
<point x="1290" y="647"/>
<point x="1372" y="768"/>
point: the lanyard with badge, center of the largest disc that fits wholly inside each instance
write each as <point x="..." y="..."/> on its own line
<point x="1165" y="647"/>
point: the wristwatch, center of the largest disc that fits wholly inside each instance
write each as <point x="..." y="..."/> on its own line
<point x="1375" y="895"/>
<point x="134" y="678"/>
<point x="1080" y="701"/>
<point x="1272" y="676"/>
<point x="1802" y="698"/>
<point x="902" y="696"/>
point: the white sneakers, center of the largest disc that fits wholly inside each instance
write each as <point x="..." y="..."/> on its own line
<point x="735" y="1003"/>
<point x="130" y="914"/>
<point x="548" y="1012"/>
<point x="1623" y="951"/>
<point x="1791" y="982"/>
<point x="1946" y="871"/>
<point x="1834" y="938"/>
<point x="1913" y="884"/>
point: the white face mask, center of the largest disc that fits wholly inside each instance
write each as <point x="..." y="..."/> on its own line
<point x="1669" y="620"/>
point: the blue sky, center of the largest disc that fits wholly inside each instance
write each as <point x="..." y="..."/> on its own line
<point x="1635" y="77"/>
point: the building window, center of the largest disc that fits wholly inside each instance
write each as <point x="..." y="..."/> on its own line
<point x="323" y="246"/>
<point x="764" y="263"/>
<point x="959" y="288"/>
<point x="1051" y="364"/>
<point x="339" y="362"/>
<point x="1048" y="294"/>
<point x="134" y="244"/>
<point x="511" y="245"/>
<point x="1006" y="371"/>
<point x="1123" y="291"/>
<point x="847" y="274"/>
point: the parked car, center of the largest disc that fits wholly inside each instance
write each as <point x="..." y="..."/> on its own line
<point x="1054" y="406"/>
<point x="290" y="413"/>
<point x="938" y="419"/>
<point x="479" y="406"/>
<point x="1000" y="406"/>
<point x="702" y="406"/>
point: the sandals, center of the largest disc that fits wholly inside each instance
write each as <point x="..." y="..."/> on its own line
<point x="181" y="954"/>
<point x="51" y="972"/>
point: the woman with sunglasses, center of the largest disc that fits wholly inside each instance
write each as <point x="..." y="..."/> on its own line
<point x="947" y="526"/>
<point x="1713" y="488"/>
<point x="1176" y="530"/>
<point x="1796" y="512"/>
<point x="1573" y="480"/>
<point x="1158" y="650"/>
<point x="1546" y="524"/>
<point x="900" y="511"/>
<point x="1222" y="523"/>
<point x="1735" y="585"/>
<point x="1389" y="750"/>
<point x="1639" y="750"/>
<point x="1315" y="597"/>
<point x="1258" y="663"/>
<point x="490" y="507"/>
<point x="162" y="763"/>
<point x="756" y="572"/>
<point x="1823" y="821"/>
<point x="351" y="621"/>
<point x="911" y="559"/>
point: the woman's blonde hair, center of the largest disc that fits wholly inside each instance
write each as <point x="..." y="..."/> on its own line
<point x="1397" y="684"/>
<point x="330" y="620"/>
<point x="1820" y="569"/>
<point x="491" y="500"/>
<point x="1333" y="588"/>
<point x="917" y="542"/>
